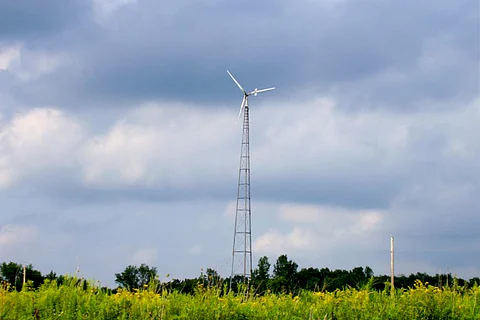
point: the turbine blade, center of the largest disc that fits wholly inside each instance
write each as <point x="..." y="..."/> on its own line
<point x="267" y="89"/>
<point x="238" y="84"/>
<point x="241" y="107"/>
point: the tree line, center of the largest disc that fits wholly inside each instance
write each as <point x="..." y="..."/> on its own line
<point x="284" y="278"/>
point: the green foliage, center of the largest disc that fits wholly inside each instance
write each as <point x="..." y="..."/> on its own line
<point x="261" y="276"/>
<point x="134" y="277"/>
<point x="285" y="272"/>
<point x="12" y="273"/>
<point x="285" y="279"/>
<point x="77" y="299"/>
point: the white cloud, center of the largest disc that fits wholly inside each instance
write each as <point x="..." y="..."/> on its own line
<point x="367" y="221"/>
<point x="6" y="175"/>
<point x="158" y="144"/>
<point x="8" y="57"/>
<point x="12" y="236"/>
<point x="176" y="144"/>
<point x="299" y="213"/>
<point x="105" y="8"/>
<point x="39" y="139"/>
<point x="179" y="145"/>
<point x="274" y="242"/>
<point x="230" y="209"/>
<point x="27" y="65"/>
<point x="145" y="255"/>
<point x="38" y="64"/>
<point x="363" y="220"/>
<point x="324" y="138"/>
<point x="318" y="228"/>
<point x="121" y="156"/>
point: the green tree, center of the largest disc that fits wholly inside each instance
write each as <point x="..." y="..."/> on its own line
<point x="357" y="277"/>
<point x="310" y="279"/>
<point x="285" y="272"/>
<point x="34" y="275"/>
<point x="261" y="275"/>
<point x="51" y="275"/>
<point x="134" y="277"/>
<point x="474" y="281"/>
<point x="12" y="273"/>
<point x="212" y="277"/>
<point x="368" y="272"/>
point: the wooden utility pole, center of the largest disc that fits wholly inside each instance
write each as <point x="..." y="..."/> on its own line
<point x="24" y="273"/>
<point x="392" y="268"/>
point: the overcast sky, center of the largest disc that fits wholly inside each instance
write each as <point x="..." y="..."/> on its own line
<point x="119" y="143"/>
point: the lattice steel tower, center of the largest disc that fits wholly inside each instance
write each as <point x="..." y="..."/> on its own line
<point x="242" y="236"/>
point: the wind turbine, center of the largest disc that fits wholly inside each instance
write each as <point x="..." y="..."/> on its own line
<point x="242" y="236"/>
<point x="246" y="94"/>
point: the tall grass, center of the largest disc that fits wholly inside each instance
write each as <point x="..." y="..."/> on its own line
<point x="74" y="300"/>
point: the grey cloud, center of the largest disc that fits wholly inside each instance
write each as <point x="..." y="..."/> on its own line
<point x="180" y="52"/>
<point x="433" y="228"/>
<point x="364" y="191"/>
<point x="103" y="239"/>
<point x="30" y="20"/>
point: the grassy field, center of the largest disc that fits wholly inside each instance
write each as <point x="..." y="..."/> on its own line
<point x="72" y="301"/>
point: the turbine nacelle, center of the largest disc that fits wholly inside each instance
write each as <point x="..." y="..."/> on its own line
<point x="246" y="94"/>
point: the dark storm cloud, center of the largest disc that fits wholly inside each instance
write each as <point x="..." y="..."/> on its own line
<point x="354" y="192"/>
<point x="31" y="19"/>
<point x="288" y="47"/>
<point x="149" y="50"/>
<point x="360" y="193"/>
